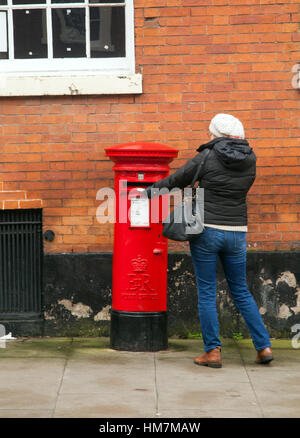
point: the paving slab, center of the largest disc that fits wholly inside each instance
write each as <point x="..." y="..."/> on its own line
<point x="30" y="382"/>
<point x="108" y="405"/>
<point x="109" y="374"/>
<point x="184" y="387"/>
<point x="26" y="413"/>
<point x="84" y="378"/>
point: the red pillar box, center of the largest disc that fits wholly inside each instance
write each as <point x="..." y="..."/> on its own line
<point x="139" y="299"/>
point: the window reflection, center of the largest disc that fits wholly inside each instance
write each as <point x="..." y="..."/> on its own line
<point x="106" y="1"/>
<point x="30" y="35"/>
<point x="28" y="2"/>
<point x="67" y="1"/>
<point x="107" y="32"/>
<point x="69" y="33"/>
<point x="3" y="35"/>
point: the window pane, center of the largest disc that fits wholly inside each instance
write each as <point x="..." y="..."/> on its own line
<point x="3" y="2"/>
<point x="107" y="32"/>
<point x="28" y="2"/>
<point x="30" y="33"/>
<point x="67" y="1"/>
<point x="106" y="1"/>
<point x="69" y="33"/>
<point x="3" y="36"/>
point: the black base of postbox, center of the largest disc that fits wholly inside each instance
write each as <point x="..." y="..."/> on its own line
<point x="138" y="331"/>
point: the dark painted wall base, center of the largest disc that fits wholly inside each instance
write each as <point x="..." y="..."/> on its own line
<point x="77" y="296"/>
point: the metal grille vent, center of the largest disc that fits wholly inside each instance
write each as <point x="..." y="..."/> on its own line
<point x="21" y="261"/>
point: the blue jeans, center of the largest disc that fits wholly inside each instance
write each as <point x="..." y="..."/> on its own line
<point x="232" y="248"/>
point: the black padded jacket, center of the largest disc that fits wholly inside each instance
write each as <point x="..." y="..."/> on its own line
<point x="227" y="175"/>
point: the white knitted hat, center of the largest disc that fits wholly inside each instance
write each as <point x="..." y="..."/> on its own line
<point x="226" y="125"/>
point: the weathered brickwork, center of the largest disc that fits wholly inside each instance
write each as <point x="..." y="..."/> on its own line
<point x="197" y="57"/>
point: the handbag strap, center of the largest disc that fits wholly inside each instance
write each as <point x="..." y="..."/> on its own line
<point x="206" y="153"/>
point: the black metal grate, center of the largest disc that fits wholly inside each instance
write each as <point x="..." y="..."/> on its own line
<point x="21" y="261"/>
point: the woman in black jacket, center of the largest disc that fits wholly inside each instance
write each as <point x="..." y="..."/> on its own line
<point x="226" y="177"/>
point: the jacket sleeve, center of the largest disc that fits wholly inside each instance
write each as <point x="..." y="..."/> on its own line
<point x="182" y="177"/>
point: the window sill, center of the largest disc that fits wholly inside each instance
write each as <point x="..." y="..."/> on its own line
<point x="64" y="85"/>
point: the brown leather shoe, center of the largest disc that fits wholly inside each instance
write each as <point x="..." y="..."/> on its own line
<point x="264" y="356"/>
<point x="210" y="359"/>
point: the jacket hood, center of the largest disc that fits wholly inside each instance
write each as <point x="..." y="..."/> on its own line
<point x="234" y="153"/>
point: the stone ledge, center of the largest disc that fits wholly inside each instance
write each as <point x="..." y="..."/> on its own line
<point x="55" y="85"/>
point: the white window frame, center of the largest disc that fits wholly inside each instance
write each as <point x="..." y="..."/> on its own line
<point x="70" y="76"/>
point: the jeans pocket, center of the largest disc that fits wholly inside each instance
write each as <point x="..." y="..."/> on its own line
<point x="240" y="240"/>
<point x="206" y="240"/>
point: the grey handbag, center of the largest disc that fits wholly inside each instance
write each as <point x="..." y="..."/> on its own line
<point x="181" y="225"/>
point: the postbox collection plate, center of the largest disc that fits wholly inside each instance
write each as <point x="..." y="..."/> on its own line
<point x="139" y="212"/>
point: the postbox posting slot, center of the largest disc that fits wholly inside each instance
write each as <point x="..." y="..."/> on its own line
<point x="138" y="183"/>
<point x="131" y="185"/>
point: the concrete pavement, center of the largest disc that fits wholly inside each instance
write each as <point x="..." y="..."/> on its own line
<point x="84" y="378"/>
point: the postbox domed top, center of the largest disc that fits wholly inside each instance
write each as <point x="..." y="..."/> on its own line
<point x="143" y="156"/>
<point x="141" y="149"/>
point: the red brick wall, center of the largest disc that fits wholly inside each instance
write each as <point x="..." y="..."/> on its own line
<point x="197" y="58"/>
